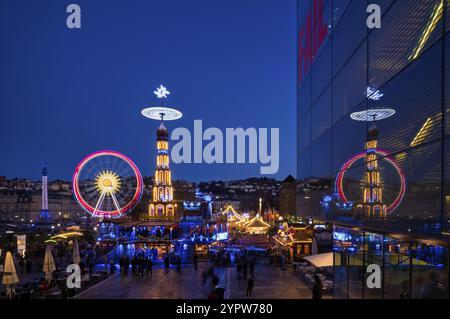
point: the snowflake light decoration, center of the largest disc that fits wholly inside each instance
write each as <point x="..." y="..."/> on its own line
<point x="161" y="92"/>
<point x="373" y="94"/>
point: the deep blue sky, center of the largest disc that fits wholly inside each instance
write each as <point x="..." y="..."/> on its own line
<point x="66" y="93"/>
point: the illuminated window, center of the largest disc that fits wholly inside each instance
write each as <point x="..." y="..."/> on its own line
<point x="170" y="211"/>
<point x="151" y="210"/>
<point x="377" y="211"/>
<point x="160" y="210"/>
<point x="375" y="178"/>
<point x="366" y="195"/>
<point x="167" y="193"/>
<point x="155" y="194"/>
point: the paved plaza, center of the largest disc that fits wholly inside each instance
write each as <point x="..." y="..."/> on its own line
<point x="270" y="283"/>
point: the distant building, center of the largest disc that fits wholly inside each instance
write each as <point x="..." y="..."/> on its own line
<point x="287" y="198"/>
<point x="27" y="204"/>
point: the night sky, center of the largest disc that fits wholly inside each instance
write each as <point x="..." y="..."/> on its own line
<point x="66" y="93"/>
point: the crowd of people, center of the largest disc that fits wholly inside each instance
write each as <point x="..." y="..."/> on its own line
<point x="245" y="267"/>
<point x="140" y="265"/>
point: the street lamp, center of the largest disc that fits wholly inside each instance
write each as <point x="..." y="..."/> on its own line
<point x="170" y="233"/>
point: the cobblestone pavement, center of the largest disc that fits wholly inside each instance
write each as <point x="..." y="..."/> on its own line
<point x="270" y="283"/>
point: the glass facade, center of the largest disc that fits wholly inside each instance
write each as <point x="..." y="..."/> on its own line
<point x="373" y="131"/>
<point x="408" y="268"/>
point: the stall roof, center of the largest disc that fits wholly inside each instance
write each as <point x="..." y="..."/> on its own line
<point x="126" y="224"/>
<point x="321" y="260"/>
<point x="257" y="222"/>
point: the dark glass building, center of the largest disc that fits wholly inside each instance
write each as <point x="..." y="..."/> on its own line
<point x="373" y="133"/>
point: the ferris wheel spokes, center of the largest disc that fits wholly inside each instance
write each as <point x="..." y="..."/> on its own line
<point x="99" y="202"/>
<point x="116" y="203"/>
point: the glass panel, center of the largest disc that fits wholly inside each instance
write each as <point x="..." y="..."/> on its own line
<point x="416" y="213"/>
<point x="321" y="152"/>
<point x="305" y="96"/>
<point x="305" y="131"/>
<point x="303" y="7"/>
<point x="321" y="74"/>
<point x="304" y="169"/>
<point x="349" y="139"/>
<point x="339" y="7"/>
<point x="350" y="85"/>
<point x="321" y="26"/>
<point x="392" y="199"/>
<point x="447" y="13"/>
<point x="349" y="33"/>
<point x="356" y="271"/>
<point x="321" y="115"/>
<point x="340" y="236"/>
<point x="447" y="82"/>
<point x="397" y="260"/>
<point x="416" y="97"/>
<point x="429" y="273"/>
<point x="373" y="254"/>
<point x="446" y="216"/>
<point x="406" y="32"/>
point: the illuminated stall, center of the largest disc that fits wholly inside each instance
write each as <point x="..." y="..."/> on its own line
<point x="257" y="226"/>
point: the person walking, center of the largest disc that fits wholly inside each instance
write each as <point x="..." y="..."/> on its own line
<point x="133" y="265"/>
<point x="317" y="288"/>
<point x="239" y="269"/>
<point x="166" y="264"/>
<point x="195" y="259"/>
<point x="215" y="281"/>
<point x="244" y="270"/>
<point x="121" y="263"/>
<point x="204" y="277"/>
<point x="127" y="264"/>
<point x="141" y="266"/>
<point x="252" y="267"/>
<point x="149" y="268"/>
<point x="250" y="285"/>
<point x="112" y="266"/>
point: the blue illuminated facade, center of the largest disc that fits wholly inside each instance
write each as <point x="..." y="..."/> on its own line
<point x="382" y="179"/>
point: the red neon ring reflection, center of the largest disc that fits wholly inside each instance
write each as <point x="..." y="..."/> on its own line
<point x="350" y="162"/>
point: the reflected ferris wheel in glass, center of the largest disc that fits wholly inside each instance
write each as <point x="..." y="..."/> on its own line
<point x="107" y="184"/>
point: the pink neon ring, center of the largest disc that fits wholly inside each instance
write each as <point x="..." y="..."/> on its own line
<point x="88" y="208"/>
<point x="350" y="162"/>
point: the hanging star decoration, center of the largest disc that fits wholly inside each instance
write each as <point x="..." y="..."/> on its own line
<point x="374" y="94"/>
<point x="161" y="92"/>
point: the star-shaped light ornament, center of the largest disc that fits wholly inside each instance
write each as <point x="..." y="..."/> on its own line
<point x="161" y="92"/>
<point x="374" y="94"/>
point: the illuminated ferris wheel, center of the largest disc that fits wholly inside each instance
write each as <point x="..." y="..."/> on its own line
<point x="107" y="184"/>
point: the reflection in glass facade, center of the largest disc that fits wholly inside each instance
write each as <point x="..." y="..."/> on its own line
<point x="373" y="140"/>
